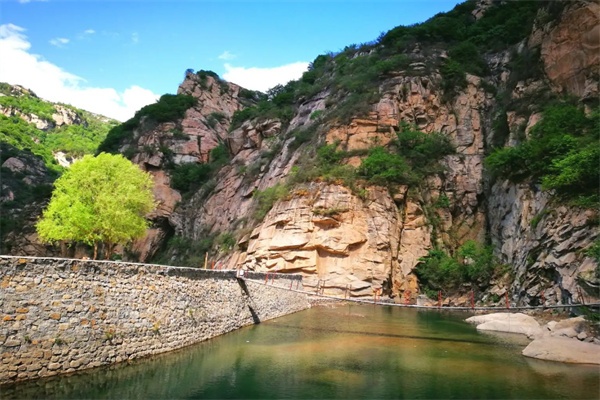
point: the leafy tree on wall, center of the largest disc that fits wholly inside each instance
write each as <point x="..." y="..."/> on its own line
<point x="102" y="199"/>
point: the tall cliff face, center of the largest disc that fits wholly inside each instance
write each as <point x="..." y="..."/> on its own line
<point x="159" y="148"/>
<point x="354" y="243"/>
<point x="272" y="207"/>
<point x="545" y="242"/>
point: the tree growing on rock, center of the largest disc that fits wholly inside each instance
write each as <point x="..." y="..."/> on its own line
<point x="99" y="200"/>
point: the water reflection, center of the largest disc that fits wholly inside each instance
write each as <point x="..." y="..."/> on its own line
<point x="344" y="352"/>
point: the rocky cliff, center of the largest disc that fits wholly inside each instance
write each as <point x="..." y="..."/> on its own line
<point x="270" y="207"/>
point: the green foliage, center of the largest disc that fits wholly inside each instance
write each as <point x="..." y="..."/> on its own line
<point x="525" y="64"/>
<point x="77" y="140"/>
<point x="226" y="241"/>
<point x="219" y="156"/>
<point x="473" y="263"/>
<point x="505" y="24"/>
<point x="353" y="76"/>
<point x="453" y="76"/>
<point x="382" y="168"/>
<point x="417" y="155"/>
<point x="442" y="202"/>
<point x="562" y="153"/>
<point x="251" y="95"/>
<point x="301" y="136"/>
<point x="594" y="251"/>
<point x="408" y="160"/>
<point x="265" y="199"/>
<point x="117" y="136"/>
<point x="423" y="150"/>
<point x="276" y="107"/>
<point x="538" y="218"/>
<point x="102" y="199"/>
<point x="189" y="177"/>
<point x="329" y="156"/>
<point x="315" y="115"/>
<point x="5" y="88"/>
<point x="23" y="136"/>
<point x="28" y="104"/>
<point x="74" y="140"/>
<point x="203" y="78"/>
<point x="169" y="107"/>
<point x="188" y="252"/>
<point x="178" y="134"/>
<point x="478" y="261"/>
<point x="468" y="54"/>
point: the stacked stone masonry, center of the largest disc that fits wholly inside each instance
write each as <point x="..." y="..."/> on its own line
<point x="65" y="315"/>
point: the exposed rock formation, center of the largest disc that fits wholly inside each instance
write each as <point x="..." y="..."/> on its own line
<point x="341" y="255"/>
<point x="22" y="173"/>
<point x="571" y="49"/>
<point x="62" y="115"/>
<point x="507" y="322"/>
<point x="563" y="350"/>
<point x="190" y="140"/>
<point x="348" y="244"/>
<point x="543" y="242"/>
<point x="342" y="244"/>
<point x="558" y="341"/>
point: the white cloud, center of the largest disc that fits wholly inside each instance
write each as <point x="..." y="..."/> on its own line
<point x="29" y="1"/>
<point x="89" y="31"/>
<point x="135" y="38"/>
<point x="59" y="42"/>
<point x="226" y="55"/>
<point x="264" y="78"/>
<point x="53" y="83"/>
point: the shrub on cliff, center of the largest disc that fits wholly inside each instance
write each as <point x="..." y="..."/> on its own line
<point x="473" y="263"/>
<point x="99" y="200"/>
<point x="561" y="153"/>
<point x="169" y="107"/>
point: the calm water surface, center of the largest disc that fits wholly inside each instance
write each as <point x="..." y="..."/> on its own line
<point x="345" y="352"/>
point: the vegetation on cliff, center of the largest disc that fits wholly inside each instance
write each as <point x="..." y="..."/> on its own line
<point x="75" y="139"/>
<point x="472" y="262"/>
<point x="190" y="177"/>
<point x="169" y="107"/>
<point x="561" y="153"/>
<point x="352" y="77"/>
<point x="98" y="200"/>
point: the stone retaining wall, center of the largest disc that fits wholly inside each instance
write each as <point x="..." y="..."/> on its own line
<point x="64" y="315"/>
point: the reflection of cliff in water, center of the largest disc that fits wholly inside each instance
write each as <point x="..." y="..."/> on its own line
<point x="333" y="353"/>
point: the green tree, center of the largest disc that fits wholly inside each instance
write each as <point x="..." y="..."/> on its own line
<point x="102" y="199"/>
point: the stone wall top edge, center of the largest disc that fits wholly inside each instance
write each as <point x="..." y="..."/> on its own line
<point x="159" y="269"/>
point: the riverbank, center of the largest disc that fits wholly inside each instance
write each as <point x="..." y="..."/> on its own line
<point x="567" y="340"/>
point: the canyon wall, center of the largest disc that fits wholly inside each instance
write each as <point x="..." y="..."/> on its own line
<point x="361" y="241"/>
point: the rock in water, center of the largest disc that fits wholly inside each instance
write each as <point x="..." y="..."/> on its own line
<point x="507" y="322"/>
<point x="564" y="350"/>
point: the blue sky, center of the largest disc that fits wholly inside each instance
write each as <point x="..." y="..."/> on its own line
<point x="112" y="57"/>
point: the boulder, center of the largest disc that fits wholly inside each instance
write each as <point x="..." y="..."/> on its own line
<point x="507" y="322"/>
<point x="564" y="350"/>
